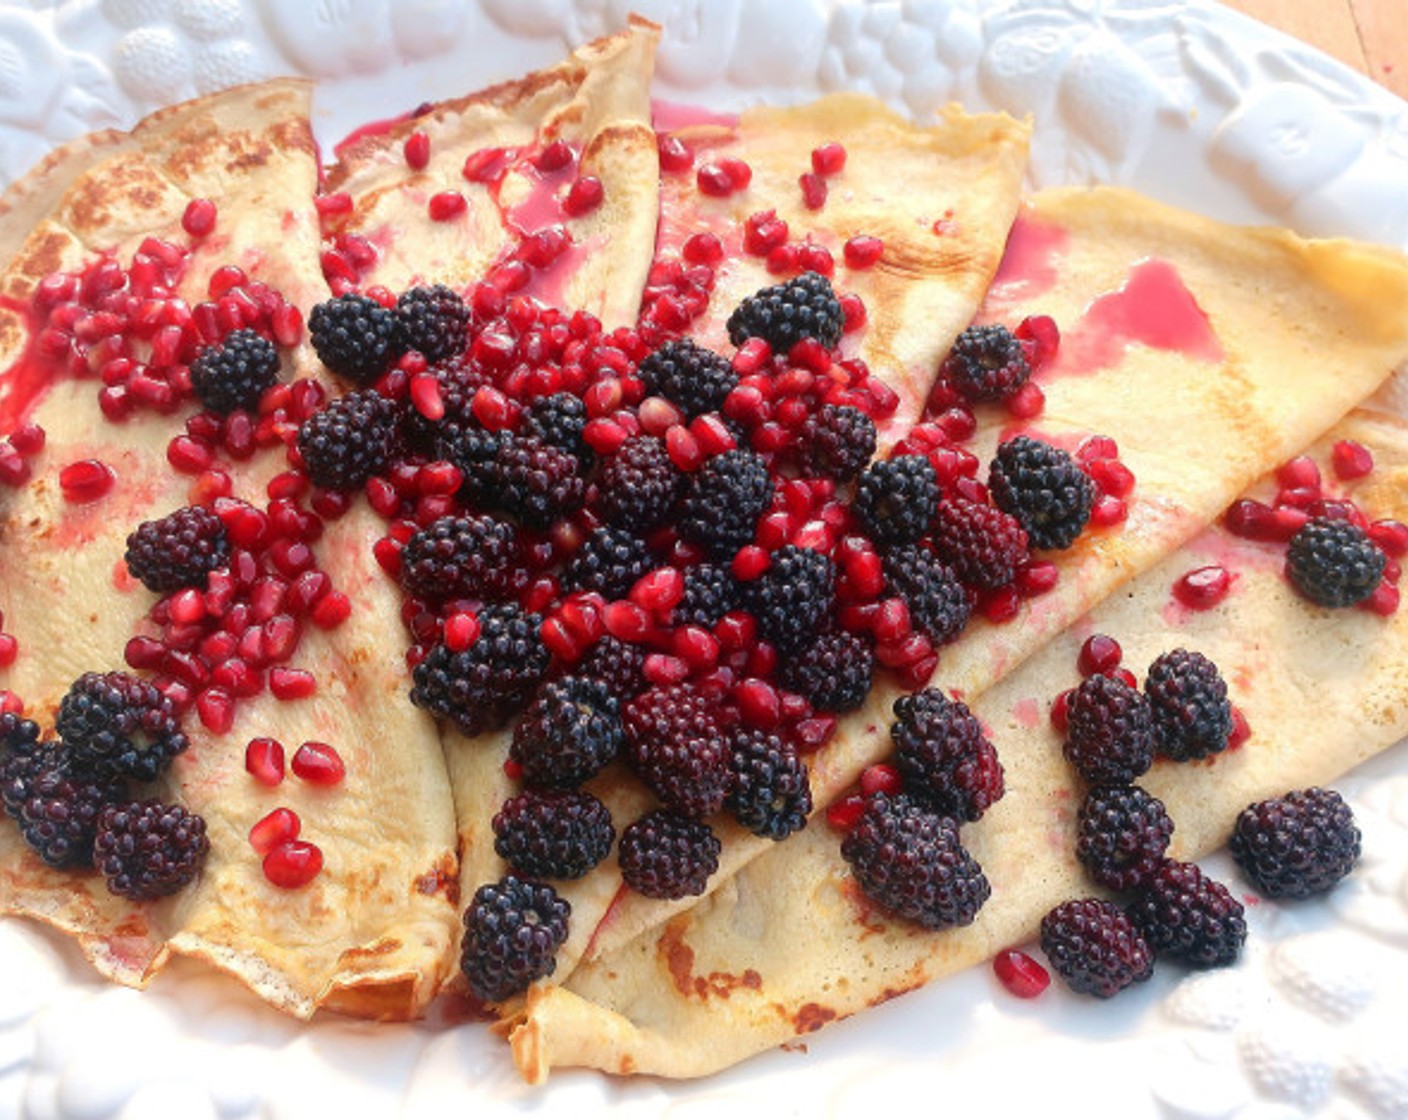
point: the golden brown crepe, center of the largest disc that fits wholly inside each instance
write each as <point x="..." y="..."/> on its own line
<point x="791" y="944"/>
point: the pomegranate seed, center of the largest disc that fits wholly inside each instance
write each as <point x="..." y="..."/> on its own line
<point x="1108" y="510"/>
<point x="293" y="864"/>
<point x="675" y="156"/>
<point x="1059" y="709"/>
<point x="862" y="251"/>
<point x="1020" y="974"/>
<point x="1028" y="402"/>
<point x="14" y="471"/>
<point x="417" y="150"/>
<point x="86" y="480"/>
<point x="554" y="157"/>
<point x="199" y="217"/>
<point x="880" y="777"/>
<point x="695" y="646"/>
<point x="461" y="631"/>
<point x="1099" y="654"/>
<point x="583" y="196"/>
<point x="446" y="206"/>
<point x="1351" y="460"/>
<point x="1202" y="588"/>
<point x="318" y="763"/>
<point x="333" y="204"/>
<point x="758" y="703"/>
<point x="829" y="159"/>
<point x="291" y="684"/>
<point x="736" y="631"/>
<point x="1300" y="497"/>
<point x="763" y="232"/>
<point x="702" y="248"/>
<point x="9" y="650"/>
<point x="842" y="815"/>
<point x="10" y="703"/>
<point x="813" y="190"/>
<point x="1383" y="601"/>
<point x="626" y="621"/>
<point x="1112" y="477"/>
<point x="426" y="396"/>
<point x="662" y="669"/>
<point x="749" y="562"/>
<point x="1391" y="536"/>
<point x="1299" y="473"/>
<point x="658" y="591"/>
<point x="723" y="178"/>
<point x="278" y="827"/>
<point x="28" y="439"/>
<point x="1124" y="676"/>
<point x="1241" y="730"/>
<point x="1037" y="578"/>
<point x="216" y="709"/>
<point x="189" y="456"/>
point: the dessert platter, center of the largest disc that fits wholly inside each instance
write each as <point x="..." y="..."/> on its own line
<point x="743" y="555"/>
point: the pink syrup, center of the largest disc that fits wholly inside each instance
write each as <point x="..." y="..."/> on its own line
<point x="671" y="116"/>
<point x="1029" y="266"/>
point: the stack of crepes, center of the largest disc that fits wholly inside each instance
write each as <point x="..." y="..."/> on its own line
<point x="1258" y="345"/>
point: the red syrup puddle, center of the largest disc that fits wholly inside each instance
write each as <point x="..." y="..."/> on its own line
<point x="671" y="116"/>
<point x="1028" y="269"/>
<point x="372" y="128"/>
<point x="24" y="384"/>
<point x="1153" y="309"/>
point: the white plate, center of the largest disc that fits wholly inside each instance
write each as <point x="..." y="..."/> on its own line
<point x="1187" y="101"/>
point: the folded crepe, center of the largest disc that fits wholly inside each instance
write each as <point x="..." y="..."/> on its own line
<point x="791" y="944"/>
<point x="372" y="933"/>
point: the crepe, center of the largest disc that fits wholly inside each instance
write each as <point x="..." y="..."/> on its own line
<point x="598" y="102"/>
<point x="791" y="944"/>
<point x="373" y="933"/>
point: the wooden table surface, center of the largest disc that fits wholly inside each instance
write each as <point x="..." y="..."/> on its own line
<point x="1370" y="35"/>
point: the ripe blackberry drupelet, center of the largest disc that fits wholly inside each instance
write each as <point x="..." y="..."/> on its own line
<point x="570" y="731"/>
<point x="908" y="858"/>
<point x="939" y="605"/>
<point x="678" y="749"/>
<point x="983" y="545"/>
<point x="475" y="451"/>
<point x="665" y="855"/>
<point x="1186" y="915"/>
<point x="1109" y="732"/>
<point x="116" y="725"/>
<point x="1297" y="845"/>
<point x="1188" y="700"/>
<point x="837" y="441"/>
<point x="22" y="758"/>
<point x="177" y="551"/>
<point x="618" y="665"/>
<point x="609" y="561"/>
<point x="432" y="320"/>
<point x="833" y="671"/>
<point x="479" y="688"/>
<point x="792" y="598"/>
<point x="1332" y="563"/>
<point x="459" y="379"/>
<point x="1122" y="834"/>
<point x="57" y="810"/>
<point x="1095" y="947"/>
<point x="536" y="482"/>
<point x="512" y="931"/>
<point x="553" y="834"/>
<point x="559" y="421"/>
<point x="694" y="379"/>
<point x="723" y="501"/>
<point x="803" y="307"/>
<point x="710" y="592"/>
<point x="350" y="440"/>
<point x="1043" y="488"/>
<point x="944" y="758"/>
<point x="354" y="336"/>
<point x="896" y="499"/>
<point x="638" y="486"/>
<point x="987" y="363"/>
<point x="147" y="849"/>
<point x="235" y="373"/>
<point x="771" y="794"/>
<point x="464" y="557"/>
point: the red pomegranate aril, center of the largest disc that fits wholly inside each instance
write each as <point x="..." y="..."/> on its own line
<point x="1351" y="459"/>
<point x="657" y="416"/>
<point x="186" y="607"/>
<point x="273" y="829"/>
<point x="1100" y="653"/>
<point x="1060" y="708"/>
<point x="86" y="480"/>
<point x="749" y="562"/>
<point x="198" y="220"/>
<point x="291" y="684"/>
<point x="9" y="650"/>
<point x="333" y="204"/>
<point x="1123" y="675"/>
<point x="278" y="638"/>
<point x="763" y="232"/>
<point x="583" y="196"/>
<point x="28" y="439"/>
<point x="815" y="258"/>
<point x="1028" y="402"/>
<point x="1299" y="497"/>
<point x="1024" y="977"/>
<point x="627" y="621"/>
<point x="1299" y="473"/>
<point x="658" y="591"/>
<point x="1336" y="509"/>
<point x="702" y="248"/>
<point x="188" y="456"/>
<point x="695" y="646"/>
<point x="417" y="150"/>
<point x="461" y="631"/>
<point x="758" y="703"/>
<point x="664" y="669"/>
<point x="1383" y="601"/>
<point x="1203" y="588"/>
<point x="446" y="206"/>
<point x="144" y="653"/>
<point x="1112" y="477"/>
<point x="318" y="764"/>
<point x="1107" y="511"/>
<point x="293" y="864"/>
<point x="813" y="188"/>
<point x="1241" y="730"/>
<point x="216" y="709"/>
<point x="675" y="155"/>
<point x="1043" y="339"/>
<point x="880" y="777"/>
<point x="829" y="159"/>
<point x="1391" y="536"/>
<point x="891" y="622"/>
<point x="844" y="814"/>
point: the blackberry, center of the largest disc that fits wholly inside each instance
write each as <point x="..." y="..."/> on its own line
<point x="459" y="379"/>
<point x="24" y="756"/>
<point x="348" y="441"/>
<point x="570" y="731"/>
<point x="987" y="363"/>
<point x="479" y="688"/>
<point x="475" y="450"/>
<point x="147" y="849"/>
<point x="1043" y="488"/>
<point x="235" y="373"/>
<point x="116" y="725"/>
<point x="1186" y="915"/>
<point x="833" y="671"/>
<point x="553" y="834"/>
<point x="1297" y="845"/>
<point x="803" y="307"/>
<point x="710" y="592"/>
<point x="432" y="320"/>
<point x="896" y="499"/>
<point x="618" y="665"/>
<point x="1109" y="732"/>
<point x="939" y="605"/>
<point x="692" y="378"/>
<point x="1122" y="834"/>
<point x="177" y="551"/>
<point x="512" y="931"/>
<point x="983" y="545"/>
<point x="664" y="855"/>
<point x="908" y="858"/>
<point x="638" y="486"/>
<point x="771" y="794"/>
<point x="678" y="748"/>
<point x="536" y="482"/>
<point x="1333" y="563"/>
<point x="58" y="810"/>
<point x="723" y="501"/>
<point x="1095" y="947"/>
<point x="1188" y="700"/>
<point x="837" y="441"/>
<point x="559" y="421"/>
<point x="354" y="336"/>
<point x="793" y="597"/>
<point x="944" y="758"/>
<point x="609" y="561"/>
<point x="464" y="558"/>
